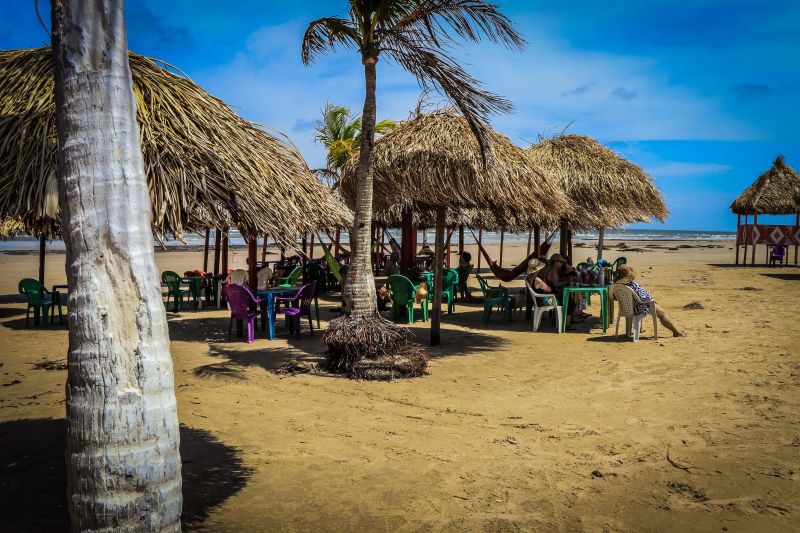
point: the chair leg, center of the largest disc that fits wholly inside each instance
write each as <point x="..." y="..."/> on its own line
<point x="537" y="318"/>
<point x="655" y="324"/>
<point x="616" y="331"/>
<point x="296" y="320"/>
<point x="311" y="325"/>
<point x="558" y="318"/>
<point x="250" y="330"/>
<point x="27" y="318"/>
<point x="230" y="329"/>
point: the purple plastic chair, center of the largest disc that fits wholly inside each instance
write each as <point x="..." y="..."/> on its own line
<point x="239" y="300"/>
<point x="777" y="255"/>
<point x="298" y="306"/>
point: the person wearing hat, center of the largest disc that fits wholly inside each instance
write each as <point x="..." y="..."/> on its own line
<point x="627" y="277"/>
<point x="552" y="278"/>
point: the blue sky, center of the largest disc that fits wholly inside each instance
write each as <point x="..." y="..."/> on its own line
<point x="702" y="94"/>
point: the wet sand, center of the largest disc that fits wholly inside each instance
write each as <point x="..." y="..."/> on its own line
<point x="512" y="430"/>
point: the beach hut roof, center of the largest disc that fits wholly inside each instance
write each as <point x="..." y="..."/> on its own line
<point x="775" y="192"/>
<point x="606" y="189"/>
<point x="206" y="166"/>
<point x="433" y="160"/>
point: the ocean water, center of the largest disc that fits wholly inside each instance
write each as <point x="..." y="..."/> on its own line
<point x="28" y="243"/>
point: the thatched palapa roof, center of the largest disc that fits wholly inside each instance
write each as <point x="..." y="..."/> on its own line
<point x="434" y="160"/>
<point x="606" y="190"/>
<point x="775" y="192"/>
<point x="206" y="166"/>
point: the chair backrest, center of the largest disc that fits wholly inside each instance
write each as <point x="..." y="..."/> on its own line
<point x="536" y="296"/>
<point x="239" y="298"/>
<point x="778" y="251"/>
<point x="625" y="296"/>
<point x="32" y="290"/>
<point x="401" y="288"/>
<point x="238" y="276"/>
<point x="450" y="279"/>
<point x="483" y="283"/>
<point x="172" y="279"/>
<point x="306" y="296"/>
<point x="264" y="275"/>
<point x="294" y="277"/>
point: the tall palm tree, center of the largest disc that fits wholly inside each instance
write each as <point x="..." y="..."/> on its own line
<point x="339" y="131"/>
<point x="123" y="465"/>
<point x="417" y="35"/>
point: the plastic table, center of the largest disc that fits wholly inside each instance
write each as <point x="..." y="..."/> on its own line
<point x="601" y="290"/>
<point x="268" y="296"/>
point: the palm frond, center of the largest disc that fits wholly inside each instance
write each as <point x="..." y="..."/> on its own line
<point x="325" y="33"/>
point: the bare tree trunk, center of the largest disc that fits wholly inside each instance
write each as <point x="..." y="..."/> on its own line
<point x="123" y="465"/>
<point x="359" y="290"/>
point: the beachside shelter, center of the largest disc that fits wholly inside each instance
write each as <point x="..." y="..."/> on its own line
<point x="606" y="190"/>
<point x="432" y="163"/>
<point x="775" y="192"/>
<point x="206" y="166"/>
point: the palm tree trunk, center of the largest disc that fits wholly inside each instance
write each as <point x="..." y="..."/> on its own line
<point x="359" y="290"/>
<point x="123" y="465"/>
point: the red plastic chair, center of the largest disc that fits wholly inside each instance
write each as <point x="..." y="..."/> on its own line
<point x="239" y="301"/>
<point x="298" y="306"/>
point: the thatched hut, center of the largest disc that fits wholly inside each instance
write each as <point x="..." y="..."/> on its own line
<point x="606" y="189"/>
<point x="206" y="166"/>
<point x="432" y="163"/>
<point x="775" y="192"/>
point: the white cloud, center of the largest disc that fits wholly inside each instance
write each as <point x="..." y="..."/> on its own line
<point x="681" y="169"/>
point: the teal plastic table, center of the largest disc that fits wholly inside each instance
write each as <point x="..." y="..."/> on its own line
<point x="602" y="291"/>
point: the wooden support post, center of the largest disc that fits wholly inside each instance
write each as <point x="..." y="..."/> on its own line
<point x="537" y="238"/>
<point x="438" y="277"/>
<point x="224" y="267"/>
<point x="311" y="250"/>
<point x="217" y="246"/>
<point x="502" y="238"/>
<point x="530" y="236"/>
<point x="562" y="238"/>
<point x="336" y="244"/>
<point x="796" y="223"/>
<point x="461" y="240"/>
<point x="408" y="239"/>
<point x="447" y="249"/>
<point x="570" y="260"/>
<point x="601" y="233"/>
<point x="264" y="248"/>
<point x="738" y="223"/>
<point x="753" y="254"/>
<point x="744" y="241"/>
<point x="205" y="251"/>
<point x="42" y="254"/>
<point x="252" y="271"/>
<point x="480" y="238"/>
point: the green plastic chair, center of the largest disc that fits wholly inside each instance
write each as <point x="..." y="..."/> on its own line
<point x="494" y="296"/>
<point x="619" y="261"/>
<point x="41" y="304"/>
<point x="287" y="282"/>
<point x="449" y="286"/>
<point x="403" y="291"/>
<point x="463" y="275"/>
<point x="173" y="282"/>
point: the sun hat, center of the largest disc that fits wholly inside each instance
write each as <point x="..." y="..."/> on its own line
<point x="557" y="257"/>
<point x="626" y="274"/>
<point x="534" y="265"/>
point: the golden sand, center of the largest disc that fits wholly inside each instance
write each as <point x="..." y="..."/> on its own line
<point x="512" y="430"/>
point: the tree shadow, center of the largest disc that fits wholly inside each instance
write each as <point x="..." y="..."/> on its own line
<point x="19" y="324"/>
<point x="785" y="277"/>
<point x="34" y="483"/>
<point x="748" y="265"/>
<point x="12" y="298"/>
<point x="269" y="358"/>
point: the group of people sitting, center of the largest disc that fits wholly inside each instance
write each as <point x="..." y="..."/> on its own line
<point x="553" y="276"/>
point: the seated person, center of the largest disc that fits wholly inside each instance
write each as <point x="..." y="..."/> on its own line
<point x="553" y="278"/>
<point x="426" y="250"/>
<point x="627" y="275"/>
<point x="464" y="269"/>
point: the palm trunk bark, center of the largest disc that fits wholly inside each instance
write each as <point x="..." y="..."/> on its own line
<point x="123" y="465"/>
<point x="359" y="290"/>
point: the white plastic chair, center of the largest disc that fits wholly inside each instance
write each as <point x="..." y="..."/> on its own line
<point x="542" y="303"/>
<point x="238" y="276"/>
<point x="264" y="275"/>
<point x="626" y="297"/>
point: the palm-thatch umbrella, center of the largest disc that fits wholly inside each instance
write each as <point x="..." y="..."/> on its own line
<point x="606" y="189"/>
<point x="206" y="166"/>
<point x="775" y="192"/>
<point x="433" y="162"/>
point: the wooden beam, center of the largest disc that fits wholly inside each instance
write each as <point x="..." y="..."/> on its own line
<point x="264" y="248"/>
<point x="753" y="254"/>
<point x="224" y="266"/>
<point x="336" y="244"/>
<point x="217" y="246"/>
<point x="530" y="236"/>
<point x="480" y="239"/>
<point x="42" y="254"/>
<point x="537" y="238"/>
<point x="461" y="240"/>
<point x="502" y="238"/>
<point x="205" y="251"/>
<point x="738" y="223"/>
<point x="601" y="234"/>
<point x="311" y="250"/>
<point x="252" y="271"/>
<point x="438" y="277"/>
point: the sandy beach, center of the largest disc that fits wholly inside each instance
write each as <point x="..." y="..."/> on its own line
<point x="512" y="430"/>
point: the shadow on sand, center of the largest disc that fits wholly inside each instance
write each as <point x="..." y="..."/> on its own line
<point x="783" y="276"/>
<point x="33" y="482"/>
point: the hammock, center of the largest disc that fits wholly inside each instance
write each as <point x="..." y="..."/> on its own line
<point x="333" y="264"/>
<point x="504" y="274"/>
